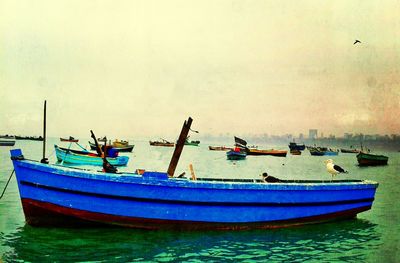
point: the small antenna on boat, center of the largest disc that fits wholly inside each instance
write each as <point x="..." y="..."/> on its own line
<point x="44" y="159"/>
<point x="179" y="147"/>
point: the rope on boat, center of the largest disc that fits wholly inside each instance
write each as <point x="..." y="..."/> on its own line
<point x="51" y="154"/>
<point x="4" y="190"/>
<point x="83" y="148"/>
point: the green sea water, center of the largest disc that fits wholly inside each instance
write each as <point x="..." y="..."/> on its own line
<point x="374" y="236"/>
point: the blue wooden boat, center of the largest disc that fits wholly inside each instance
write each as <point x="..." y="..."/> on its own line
<point x="236" y="155"/>
<point x="70" y="156"/>
<point x="54" y="195"/>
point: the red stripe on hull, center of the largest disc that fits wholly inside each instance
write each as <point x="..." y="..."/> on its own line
<point x="39" y="213"/>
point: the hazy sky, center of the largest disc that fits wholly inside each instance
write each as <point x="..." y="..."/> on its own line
<point x="140" y="68"/>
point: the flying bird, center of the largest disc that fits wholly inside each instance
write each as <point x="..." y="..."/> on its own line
<point x="357" y="41"/>
<point x="333" y="169"/>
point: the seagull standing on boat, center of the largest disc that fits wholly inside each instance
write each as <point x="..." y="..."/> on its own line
<point x="333" y="169"/>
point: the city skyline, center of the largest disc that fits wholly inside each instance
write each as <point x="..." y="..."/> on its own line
<point x="128" y="68"/>
<point x="284" y="136"/>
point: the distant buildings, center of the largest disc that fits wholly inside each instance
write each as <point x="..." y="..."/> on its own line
<point x="312" y="134"/>
<point x="356" y="139"/>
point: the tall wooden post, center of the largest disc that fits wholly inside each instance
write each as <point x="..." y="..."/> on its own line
<point x="44" y="159"/>
<point x="179" y="147"/>
<point x="98" y="148"/>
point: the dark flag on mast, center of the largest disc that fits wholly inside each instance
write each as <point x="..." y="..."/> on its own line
<point x="240" y="142"/>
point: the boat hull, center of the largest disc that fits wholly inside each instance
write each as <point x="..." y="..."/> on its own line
<point x="7" y="143"/>
<point x="192" y="143"/>
<point x="219" y="148"/>
<point x="295" y="146"/>
<point x="39" y="213"/>
<point x="164" y="144"/>
<point x="331" y="153"/>
<point x="68" y="140"/>
<point x="232" y="155"/>
<point x="51" y="194"/>
<point x="81" y="159"/>
<point x="366" y="159"/>
<point x="128" y="148"/>
<point x="295" y="152"/>
<point x="278" y="153"/>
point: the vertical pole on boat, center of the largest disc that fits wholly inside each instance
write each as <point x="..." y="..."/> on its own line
<point x="179" y="147"/>
<point x="44" y="159"/>
<point x="193" y="176"/>
<point x="98" y="148"/>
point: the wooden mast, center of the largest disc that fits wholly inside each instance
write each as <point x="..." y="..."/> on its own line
<point x="98" y="148"/>
<point x="179" y="147"/>
<point x="44" y="159"/>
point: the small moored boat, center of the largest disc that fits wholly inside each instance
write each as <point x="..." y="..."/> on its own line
<point x="278" y="153"/>
<point x="368" y="159"/>
<point x="120" y="143"/>
<point x="31" y="138"/>
<point x="253" y="150"/>
<point x="351" y="150"/>
<point x="163" y="142"/>
<point x="236" y="154"/>
<point x="7" y="142"/>
<point x="192" y="143"/>
<point x="296" y="146"/>
<point x="70" y="156"/>
<point x="317" y="151"/>
<point x="70" y="139"/>
<point x="127" y="148"/>
<point x="219" y="148"/>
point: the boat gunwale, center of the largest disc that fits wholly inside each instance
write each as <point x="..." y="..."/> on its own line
<point x="208" y="183"/>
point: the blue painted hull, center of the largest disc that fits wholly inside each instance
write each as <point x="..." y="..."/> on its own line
<point x="232" y="155"/>
<point x="74" y="158"/>
<point x="153" y="200"/>
<point x="331" y="153"/>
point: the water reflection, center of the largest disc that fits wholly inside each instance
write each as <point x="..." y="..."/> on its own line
<point x="343" y="241"/>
